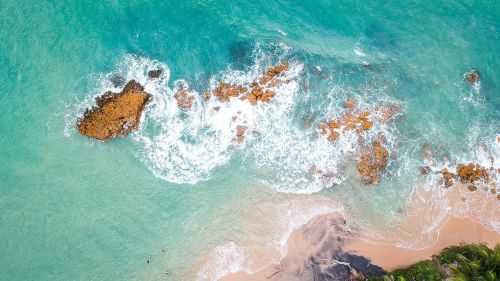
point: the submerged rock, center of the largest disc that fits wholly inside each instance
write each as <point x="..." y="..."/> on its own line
<point x="273" y="72"/>
<point x="240" y="133"/>
<point x="259" y="94"/>
<point x="350" y="103"/>
<point x="117" y="81"/>
<point x="472" y="77"/>
<point x="356" y="120"/>
<point x="115" y="114"/>
<point x="154" y="73"/>
<point x="206" y="96"/>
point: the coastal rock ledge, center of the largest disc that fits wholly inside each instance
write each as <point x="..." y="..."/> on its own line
<point x="115" y="114"/>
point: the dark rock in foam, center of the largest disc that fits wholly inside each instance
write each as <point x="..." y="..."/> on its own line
<point x="153" y="74"/>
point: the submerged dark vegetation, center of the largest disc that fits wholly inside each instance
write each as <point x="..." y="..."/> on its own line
<point x="459" y="263"/>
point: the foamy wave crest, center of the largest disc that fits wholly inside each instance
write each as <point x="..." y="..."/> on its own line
<point x="480" y="205"/>
<point x="185" y="146"/>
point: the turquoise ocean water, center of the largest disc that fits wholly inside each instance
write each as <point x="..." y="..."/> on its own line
<point x="77" y="209"/>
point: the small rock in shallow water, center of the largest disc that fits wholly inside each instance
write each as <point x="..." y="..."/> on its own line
<point x="117" y="81"/>
<point x="424" y="170"/>
<point x="472" y="76"/>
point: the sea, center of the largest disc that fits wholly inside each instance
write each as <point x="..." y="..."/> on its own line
<point x="180" y="199"/>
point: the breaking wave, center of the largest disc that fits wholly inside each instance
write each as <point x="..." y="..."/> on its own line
<point x="281" y="147"/>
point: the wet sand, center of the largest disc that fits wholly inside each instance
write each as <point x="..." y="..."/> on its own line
<point x="453" y="232"/>
<point x="429" y="227"/>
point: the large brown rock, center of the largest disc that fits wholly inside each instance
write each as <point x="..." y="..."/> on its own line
<point x="115" y="114"/>
<point x="470" y="173"/>
<point x="372" y="163"/>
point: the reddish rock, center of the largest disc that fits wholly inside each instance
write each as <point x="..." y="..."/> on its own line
<point x="355" y="120"/>
<point x="448" y="177"/>
<point x="225" y="91"/>
<point x="472" y="77"/>
<point x="184" y="99"/>
<point x="259" y="94"/>
<point x="366" y="125"/>
<point x="372" y="162"/>
<point x="258" y="90"/>
<point x="273" y="72"/>
<point x="115" y="114"/>
<point x="350" y="103"/>
<point x="470" y="173"/>
<point x="333" y="136"/>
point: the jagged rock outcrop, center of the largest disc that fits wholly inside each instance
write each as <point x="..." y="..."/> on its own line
<point x="372" y="162"/>
<point x="115" y="114"/>
<point x="356" y="120"/>
<point x="470" y="173"/>
<point x="254" y="92"/>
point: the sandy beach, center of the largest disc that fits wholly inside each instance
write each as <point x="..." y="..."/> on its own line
<point x="327" y="241"/>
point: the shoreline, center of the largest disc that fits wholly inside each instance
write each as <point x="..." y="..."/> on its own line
<point x="325" y="245"/>
<point x="453" y="232"/>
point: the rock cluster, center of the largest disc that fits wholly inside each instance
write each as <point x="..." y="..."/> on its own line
<point x="470" y="174"/>
<point x="372" y="162"/>
<point x="255" y="92"/>
<point x="273" y="72"/>
<point x="448" y="177"/>
<point x="184" y="99"/>
<point x="115" y="114"/>
<point x="225" y="91"/>
<point x="259" y="94"/>
<point x="355" y="120"/>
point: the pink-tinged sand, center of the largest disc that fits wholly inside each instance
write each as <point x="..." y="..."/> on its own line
<point x="453" y="232"/>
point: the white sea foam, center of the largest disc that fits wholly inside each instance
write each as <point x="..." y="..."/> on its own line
<point x="480" y="206"/>
<point x="186" y="146"/>
<point x="225" y="259"/>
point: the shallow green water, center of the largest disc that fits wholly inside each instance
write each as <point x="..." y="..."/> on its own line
<point x="75" y="209"/>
